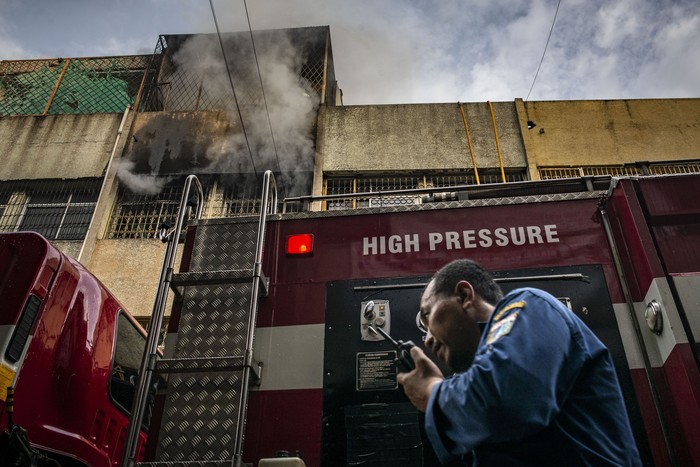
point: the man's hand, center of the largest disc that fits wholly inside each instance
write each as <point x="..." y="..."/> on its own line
<point x="418" y="383"/>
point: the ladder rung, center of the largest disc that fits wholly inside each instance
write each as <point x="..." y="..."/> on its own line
<point x="205" y="365"/>
<point x="226" y="463"/>
<point x="230" y="276"/>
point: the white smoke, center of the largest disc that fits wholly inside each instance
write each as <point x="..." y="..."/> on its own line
<point x="278" y="122"/>
<point x="281" y="142"/>
<point x="140" y="183"/>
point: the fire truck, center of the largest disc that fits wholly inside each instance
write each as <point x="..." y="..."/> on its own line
<point x="269" y="359"/>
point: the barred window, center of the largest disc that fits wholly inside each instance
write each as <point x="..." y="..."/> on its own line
<point x="57" y="209"/>
<point x="138" y="215"/>
<point x="379" y="184"/>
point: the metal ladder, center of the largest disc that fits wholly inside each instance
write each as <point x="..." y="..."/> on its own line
<point x="212" y="366"/>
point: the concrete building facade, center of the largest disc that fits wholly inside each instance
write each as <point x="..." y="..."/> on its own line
<point x="116" y="174"/>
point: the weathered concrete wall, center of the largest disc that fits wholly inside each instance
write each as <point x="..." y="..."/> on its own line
<point x="108" y="191"/>
<point x="131" y="269"/>
<point x="69" y="247"/>
<point x="184" y="142"/>
<point x="418" y="137"/>
<point x="56" y="146"/>
<point x="609" y="131"/>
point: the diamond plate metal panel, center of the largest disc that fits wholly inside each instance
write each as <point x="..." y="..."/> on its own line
<point x="214" y="321"/>
<point x="221" y="463"/>
<point x="201" y="408"/>
<point x="541" y="198"/>
<point x="225" y="247"/>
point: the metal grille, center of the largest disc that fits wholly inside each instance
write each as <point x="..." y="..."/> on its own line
<point x="57" y="209"/>
<point x="336" y="186"/>
<point x="675" y="168"/>
<point x="550" y="173"/>
<point x="636" y="169"/>
<point x="140" y="215"/>
<point x="71" y="86"/>
<point x="193" y="74"/>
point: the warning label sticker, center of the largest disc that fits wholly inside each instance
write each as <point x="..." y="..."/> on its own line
<point x="6" y="377"/>
<point x="376" y="371"/>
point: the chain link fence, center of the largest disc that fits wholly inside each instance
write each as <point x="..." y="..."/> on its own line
<point x="71" y="86"/>
<point x="194" y="76"/>
<point x="185" y="73"/>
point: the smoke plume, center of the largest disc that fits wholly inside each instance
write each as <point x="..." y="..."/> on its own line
<point x="140" y="183"/>
<point x="283" y="141"/>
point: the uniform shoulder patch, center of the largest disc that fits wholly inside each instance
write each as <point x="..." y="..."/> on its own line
<point x="507" y="308"/>
<point x="501" y="328"/>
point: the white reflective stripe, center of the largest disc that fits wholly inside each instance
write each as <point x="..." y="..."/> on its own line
<point x="688" y="286"/>
<point x="292" y="356"/>
<point x="673" y="332"/>
<point x="659" y="347"/>
<point x="629" y="336"/>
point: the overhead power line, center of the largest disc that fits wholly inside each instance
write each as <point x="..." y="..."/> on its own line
<point x="544" y="51"/>
<point x="269" y="122"/>
<point x="230" y="80"/>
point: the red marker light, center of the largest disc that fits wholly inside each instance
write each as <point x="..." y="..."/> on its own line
<point x="300" y="244"/>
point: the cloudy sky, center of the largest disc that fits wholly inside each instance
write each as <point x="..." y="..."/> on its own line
<point x="410" y="51"/>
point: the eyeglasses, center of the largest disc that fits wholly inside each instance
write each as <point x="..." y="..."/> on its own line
<point x="422" y="322"/>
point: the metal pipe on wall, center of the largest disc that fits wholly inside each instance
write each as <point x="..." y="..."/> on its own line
<point x="55" y="88"/>
<point x="498" y="146"/>
<point x="325" y="68"/>
<point x="107" y="181"/>
<point x="469" y="142"/>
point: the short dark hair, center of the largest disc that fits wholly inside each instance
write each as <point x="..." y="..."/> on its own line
<point x="446" y="279"/>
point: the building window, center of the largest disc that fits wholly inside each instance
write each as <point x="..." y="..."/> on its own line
<point x="57" y="209"/>
<point x="377" y="186"/>
<point x="129" y="347"/>
<point x="138" y="215"/>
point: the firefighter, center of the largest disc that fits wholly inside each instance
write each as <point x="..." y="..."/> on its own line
<point x="536" y="388"/>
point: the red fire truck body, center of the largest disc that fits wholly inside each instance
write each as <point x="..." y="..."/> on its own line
<point x="624" y="259"/>
<point x="58" y="333"/>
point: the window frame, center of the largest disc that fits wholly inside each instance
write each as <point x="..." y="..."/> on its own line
<point x="112" y="371"/>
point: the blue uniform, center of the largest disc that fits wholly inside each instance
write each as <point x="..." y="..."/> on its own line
<point x="541" y="391"/>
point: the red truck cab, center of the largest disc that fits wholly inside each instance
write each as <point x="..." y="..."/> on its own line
<point x="70" y="352"/>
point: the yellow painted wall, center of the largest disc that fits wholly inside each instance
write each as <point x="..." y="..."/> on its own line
<point x="609" y="132"/>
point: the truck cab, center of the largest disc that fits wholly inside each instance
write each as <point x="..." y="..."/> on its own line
<point x="69" y="353"/>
